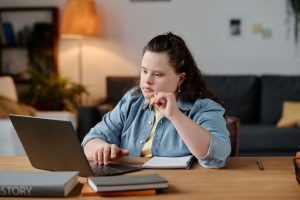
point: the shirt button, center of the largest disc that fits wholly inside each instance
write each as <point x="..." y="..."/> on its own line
<point x="141" y="141"/>
<point x="149" y="122"/>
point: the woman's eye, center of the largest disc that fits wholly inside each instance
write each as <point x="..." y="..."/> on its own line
<point x="157" y="75"/>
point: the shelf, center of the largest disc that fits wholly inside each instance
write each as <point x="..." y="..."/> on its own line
<point x="14" y="46"/>
<point x="38" y="23"/>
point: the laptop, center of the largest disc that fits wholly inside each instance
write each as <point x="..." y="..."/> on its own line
<point x="53" y="145"/>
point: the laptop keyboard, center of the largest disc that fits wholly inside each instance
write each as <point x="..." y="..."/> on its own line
<point x="111" y="169"/>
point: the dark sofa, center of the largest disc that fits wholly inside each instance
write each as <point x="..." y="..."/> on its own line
<point x="256" y="100"/>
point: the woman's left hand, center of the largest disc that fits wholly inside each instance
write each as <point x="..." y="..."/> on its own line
<point x="165" y="103"/>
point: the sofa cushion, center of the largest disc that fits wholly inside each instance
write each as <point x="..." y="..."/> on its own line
<point x="275" y="90"/>
<point x="240" y="94"/>
<point x="268" y="139"/>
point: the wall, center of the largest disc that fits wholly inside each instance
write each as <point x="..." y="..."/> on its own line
<point x="127" y="26"/>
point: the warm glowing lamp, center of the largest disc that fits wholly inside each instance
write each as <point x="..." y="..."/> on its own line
<point x="79" y="21"/>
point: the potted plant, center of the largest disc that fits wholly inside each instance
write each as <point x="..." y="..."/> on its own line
<point x="293" y="10"/>
<point x="53" y="92"/>
<point x="47" y="90"/>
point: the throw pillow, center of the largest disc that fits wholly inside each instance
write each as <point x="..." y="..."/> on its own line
<point x="290" y="115"/>
<point x="8" y="106"/>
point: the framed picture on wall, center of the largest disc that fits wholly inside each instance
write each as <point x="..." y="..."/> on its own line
<point x="235" y="27"/>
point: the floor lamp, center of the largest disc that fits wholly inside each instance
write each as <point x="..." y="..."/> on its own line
<point x="80" y="21"/>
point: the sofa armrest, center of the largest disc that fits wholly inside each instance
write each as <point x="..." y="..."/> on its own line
<point x="233" y="126"/>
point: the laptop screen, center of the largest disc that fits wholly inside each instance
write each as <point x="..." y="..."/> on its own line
<point x="51" y="144"/>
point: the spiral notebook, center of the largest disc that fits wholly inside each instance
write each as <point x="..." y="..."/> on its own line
<point x="184" y="162"/>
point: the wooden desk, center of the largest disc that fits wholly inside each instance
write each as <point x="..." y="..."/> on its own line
<point x="241" y="179"/>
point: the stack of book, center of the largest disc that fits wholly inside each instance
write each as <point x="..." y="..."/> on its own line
<point x="133" y="185"/>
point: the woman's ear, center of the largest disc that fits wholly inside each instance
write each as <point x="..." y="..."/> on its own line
<point x="182" y="77"/>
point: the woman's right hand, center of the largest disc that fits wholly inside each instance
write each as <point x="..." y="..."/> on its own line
<point x="102" y="152"/>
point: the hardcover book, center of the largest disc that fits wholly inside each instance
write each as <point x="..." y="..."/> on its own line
<point x="125" y="183"/>
<point x="37" y="184"/>
<point x="9" y="33"/>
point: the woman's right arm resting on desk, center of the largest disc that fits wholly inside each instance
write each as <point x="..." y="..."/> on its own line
<point x="97" y="146"/>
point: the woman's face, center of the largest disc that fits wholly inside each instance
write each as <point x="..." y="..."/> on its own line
<point x="157" y="74"/>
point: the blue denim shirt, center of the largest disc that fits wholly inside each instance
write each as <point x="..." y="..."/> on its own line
<point x="128" y="126"/>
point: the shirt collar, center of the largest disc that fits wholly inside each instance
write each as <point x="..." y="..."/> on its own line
<point x="184" y="105"/>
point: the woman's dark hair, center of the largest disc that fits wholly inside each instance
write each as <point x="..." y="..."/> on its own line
<point x="194" y="86"/>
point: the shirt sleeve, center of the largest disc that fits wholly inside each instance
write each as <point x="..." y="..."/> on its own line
<point x="210" y="116"/>
<point x="110" y="128"/>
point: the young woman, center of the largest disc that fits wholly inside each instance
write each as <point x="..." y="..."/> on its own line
<point x="171" y="112"/>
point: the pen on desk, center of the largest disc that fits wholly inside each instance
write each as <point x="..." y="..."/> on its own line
<point x="260" y="165"/>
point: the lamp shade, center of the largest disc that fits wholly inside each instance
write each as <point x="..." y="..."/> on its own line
<point x="80" y="19"/>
